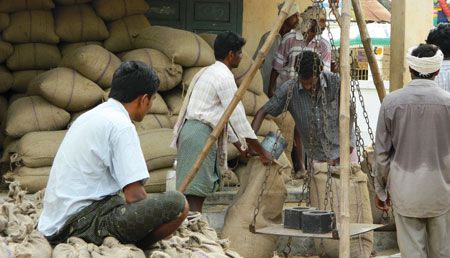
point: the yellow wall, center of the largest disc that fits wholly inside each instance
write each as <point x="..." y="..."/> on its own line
<point x="259" y="16"/>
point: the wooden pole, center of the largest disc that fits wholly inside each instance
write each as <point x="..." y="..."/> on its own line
<point x="367" y="43"/>
<point x="237" y="97"/>
<point x="344" y="132"/>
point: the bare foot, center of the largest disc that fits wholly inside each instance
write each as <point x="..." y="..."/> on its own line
<point x="300" y="174"/>
<point x="168" y="237"/>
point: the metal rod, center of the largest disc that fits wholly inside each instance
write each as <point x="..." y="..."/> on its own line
<point x="344" y="132"/>
<point x="367" y="43"/>
<point x="237" y="97"/>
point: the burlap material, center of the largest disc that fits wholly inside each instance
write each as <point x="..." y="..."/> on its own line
<point x="266" y="126"/>
<point x="6" y="79"/>
<point x="174" y="100"/>
<point x="157" y="181"/>
<point x="253" y="102"/>
<point x="38" y="149"/>
<point x="8" y="6"/>
<point x="3" y="108"/>
<point x="153" y="121"/>
<point x="31" y="27"/>
<point x="377" y="214"/>
<point x="17" y="96"/>
<point x="359" y="204"/>
<point x="4" y="21"/>
<point x="31" y="179"/>
<point x="68" y="47"/>
<point x="229" y="179"/>
<point x="161" y="157"/>
<point x="94" y="62"/>
<point x="240" y="212"/>
<point x="173" y="120"/>
<point x="158" y="106"/>
<point x="31" y="114"/>
<point x="72" y="2"/>
<point x="188" y="75"/>
<point x="183" y="47"/>
<point x="67" y="89"/>
<point x="6" y="50"/>
<point x="111" y="247"/>
<point x="110" y="10"/>
<point x="77" y="23"/>
<point x="209" y="38"/>
<point x="22" y="78"/>
<point x="123" y="31"/>
<point x="34" y="56"/>
<point x="256" y="86"/>
<point x="169" y="73"/>
<point x="9" y="148"/>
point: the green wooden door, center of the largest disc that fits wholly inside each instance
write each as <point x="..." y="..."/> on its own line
<point x="197" y="15"/>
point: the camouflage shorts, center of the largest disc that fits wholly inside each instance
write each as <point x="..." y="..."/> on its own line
<point x="129" y="223"/>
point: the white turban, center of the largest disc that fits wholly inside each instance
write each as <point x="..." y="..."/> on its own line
<point x="424" y="65"/>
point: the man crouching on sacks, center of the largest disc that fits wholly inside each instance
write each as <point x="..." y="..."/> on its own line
<point x="101" y="155"/>
<point x="209" y="94"/>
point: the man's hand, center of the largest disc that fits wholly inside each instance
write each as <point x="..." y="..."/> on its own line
<point x="301" y="173"/>
<point x="266" y="157"/>
<point x="384" y="206"/>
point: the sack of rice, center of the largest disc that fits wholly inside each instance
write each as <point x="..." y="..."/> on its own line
<point x="157" y="181"/>
<point x="252" y="102"/>
<point x="161" y="157"/>
<point x="6" y="50"/>
<point x="266" y="126"/>
<point x="3" y="107"/>
<point x="173" y="120"/>
<point x="71" y="2"/>
<point x="78" y="23"/>
<point x="153" y="121"/>
<point x="22" y="78"/>
<point x="188" y="75"/>
<point x="31" y="179"/>
<point x="209" y="38"/>
<point x="68" y="47"/>
<point x="183" y="47"/>
<point x="123" y="31"/>
<point x="6" y="79"/>
<point x="15" y="97"/>
<point x="34" y="56"/>
<point x="174" y="100"/>
<point x="9" y="6"/>
<point x="169" y="74"/>
<point x="243" y="69"/>
<point x="110" y="10"/>
<point x="4" y="21"/>
<point x="31" y="114"/>
<point x="31" y="27"/>
<point x="67" y="89"/>
<point x="38" y="149"/>
<point x="9" y="147"/>
<point x="94" y="62"/>
<point x="158" y="106"/>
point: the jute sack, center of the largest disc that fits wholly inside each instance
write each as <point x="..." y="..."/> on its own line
<point x="157" y="181"/>
<point x="155" y="146"/>
<point x="183" y="47"/>
<point x="173" y="120"/>
<point x="209" y="38"/>
<point x="67" y="89"/>
<point x="359" y="204"/>
<point x="22" y="78"/>
<point x="239" y="214"/>
<point x="34" y="56"/>
<point x="253" y="102"/>
<point x="4" y="21"/>
<point x="31" y="114"/>
<point x="110" y="10"/>
<point x="6" y="50"/>
<point x="31" y="27"/>
<point x="17" y="96"/>
<point x="229" y="178"/>
<point x="6" y="79"/>
<point x="123" y="31"/>
<point x="9" y="148"/>
<point x="377" y="214"/>
<point x="8" y="6"/>
<point x="72" y="2"/>
<point x="68" y="47"/>
<point x="94" y="62"/>
<point x="266" y="126"/>
<point x="35" y="245"/>
<point x="38" y="149"/>
<point x="3" y="108"/>
<point x="256" y="86"/>
<point x="188" y="75"/>
<point x="153" y="121"/>
<point x="174" y="100"/>
<point x="31" y="179"/>
<point x="169" y="74"/>
<point x="158" y="106"/>
<point x="78" y="23"/>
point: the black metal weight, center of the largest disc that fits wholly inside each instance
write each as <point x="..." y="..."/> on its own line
<point x="293" y="216"/>
<point x="317" y="221"/>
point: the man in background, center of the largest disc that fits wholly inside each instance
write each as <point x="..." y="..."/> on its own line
<point x="440" y="36"/>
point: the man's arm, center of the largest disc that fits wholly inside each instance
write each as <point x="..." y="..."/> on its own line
<point x="273" y="80"/>
<point x="134" y="192"/>
<point x="299" y="151"/>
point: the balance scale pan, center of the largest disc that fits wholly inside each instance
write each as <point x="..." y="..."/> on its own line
<point x="280" y="230"/>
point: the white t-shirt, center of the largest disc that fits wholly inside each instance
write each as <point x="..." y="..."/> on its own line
<point x="99" y="156"/>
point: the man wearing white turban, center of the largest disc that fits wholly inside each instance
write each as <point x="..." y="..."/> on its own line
<point x="413" y="158"/>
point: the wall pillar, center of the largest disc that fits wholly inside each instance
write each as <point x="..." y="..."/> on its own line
<point x="411" y="20"/>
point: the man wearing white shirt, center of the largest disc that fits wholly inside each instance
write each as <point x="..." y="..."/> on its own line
<point x="100" y="156"/>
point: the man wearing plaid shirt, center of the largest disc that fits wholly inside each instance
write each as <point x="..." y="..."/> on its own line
<point x="212" y="91"/>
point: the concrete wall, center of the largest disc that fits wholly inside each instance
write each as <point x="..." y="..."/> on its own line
<point x="259" y="16"/>
<point x="410" y="24"/>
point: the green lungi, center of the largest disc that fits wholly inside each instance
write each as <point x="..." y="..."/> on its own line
<point x="191" y="141"/>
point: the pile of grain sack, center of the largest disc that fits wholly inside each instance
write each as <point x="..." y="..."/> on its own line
<point x="60" y="57"/>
